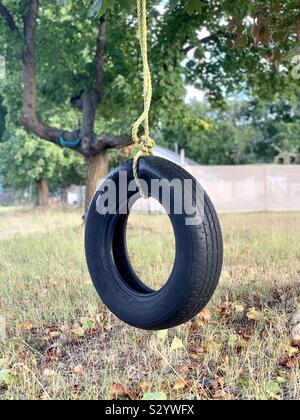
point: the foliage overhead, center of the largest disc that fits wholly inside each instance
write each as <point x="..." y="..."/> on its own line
<point x="241" y="44"/>
<point x="245" y="43"/>
<point x="25" y="160"/>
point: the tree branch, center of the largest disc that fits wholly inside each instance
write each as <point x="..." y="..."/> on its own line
<point x="30" y="119"/>
<point x="4" y="12"/>
<point x="204" y="41"/>
<point x="106" y="141"/>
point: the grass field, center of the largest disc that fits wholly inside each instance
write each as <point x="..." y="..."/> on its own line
<point x="62" y="343"/>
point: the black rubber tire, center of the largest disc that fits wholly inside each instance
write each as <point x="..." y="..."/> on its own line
<point x="197" y="267"/>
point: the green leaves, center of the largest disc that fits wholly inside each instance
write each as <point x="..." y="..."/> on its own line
<point x="163" y="335"/>
<point x="193" y="6"/>
<point x="99" y="7"/>
<point x="6" y="378"/>
<point x="273" y="389"/>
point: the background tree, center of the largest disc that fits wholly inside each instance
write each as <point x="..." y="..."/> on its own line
<point x="93" y="64"/>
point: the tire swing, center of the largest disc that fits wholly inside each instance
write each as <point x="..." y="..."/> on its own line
<point x="199" y="244"/>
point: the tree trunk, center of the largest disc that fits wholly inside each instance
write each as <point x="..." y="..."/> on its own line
<point x="43" y="193"/>
<point x="98" y="169"/>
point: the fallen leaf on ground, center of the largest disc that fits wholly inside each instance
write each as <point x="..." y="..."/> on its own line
<point x="254" y="315"/>
<point x="78" y="370"/>
<point x="203" y="317"/>
<point x="52" y="328"/>
<point x="51" y="283"/>
<point x="53" y="354"/>
<point x="118" y="390"/>
<point x="290" y="362"/>
<point x="93" y="331"/>
<point x="291" y="351"/>
<point x="78" y="331"/>
<point x="26" y="326"/>
<point x="239" y="309"/>
<point x="145" y="386"/>
<point x="213" y="347"/>
<point x="223" y="395"/>
<point x="180" y="385"/>
<point x="225" y="312"/>
<point x="177" y="344"/>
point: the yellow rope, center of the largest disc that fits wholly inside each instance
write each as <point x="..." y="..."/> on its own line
<point x="145" y="140"/>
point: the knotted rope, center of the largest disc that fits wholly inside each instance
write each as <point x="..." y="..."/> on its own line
<point x="145" y="141"/>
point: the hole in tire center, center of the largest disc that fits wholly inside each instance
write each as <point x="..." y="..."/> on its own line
<point x="151" y="243"/>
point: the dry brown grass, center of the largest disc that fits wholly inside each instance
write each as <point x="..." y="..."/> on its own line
<point x="62" y="343"/>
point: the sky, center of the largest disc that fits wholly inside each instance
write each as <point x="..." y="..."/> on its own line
<point x="193" y="93"/>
